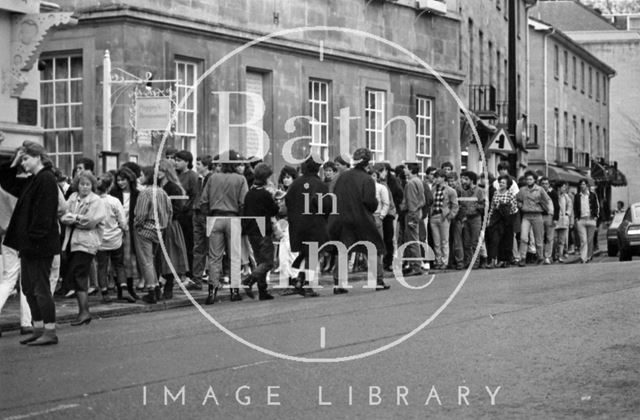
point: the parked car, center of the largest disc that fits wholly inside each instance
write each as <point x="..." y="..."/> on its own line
<point x="629" y="233"/>
<point x="612" y="235"/>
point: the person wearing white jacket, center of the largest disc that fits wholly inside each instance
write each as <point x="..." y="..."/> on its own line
<point x="83" y="236"/>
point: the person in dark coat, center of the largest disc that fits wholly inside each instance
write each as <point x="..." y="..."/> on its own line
<point x="34" y="232"/>
<point x="307" y="218"/>
<point x="355" y="193"/>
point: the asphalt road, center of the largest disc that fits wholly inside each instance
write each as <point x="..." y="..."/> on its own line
<point x="536" y="342"/>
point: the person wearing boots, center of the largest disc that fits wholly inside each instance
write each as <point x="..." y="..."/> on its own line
<point x="125" y="189"/>
<point x="308" y="220"/>
<point x="146" y="227"/>
<point x="111" y="250"/>
<point x="223" y="197"/>
<point x="355" y="193"/>
<point x="33" y="231"/>
<point x="85" y="223"/>
<point x="260" y="203"/>
<point x="174" y="241"/>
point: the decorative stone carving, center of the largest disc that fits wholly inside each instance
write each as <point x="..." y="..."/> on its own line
<point x="28" y="32"/>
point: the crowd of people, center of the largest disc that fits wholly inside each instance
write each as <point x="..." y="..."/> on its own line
<point x="133" y="231"/>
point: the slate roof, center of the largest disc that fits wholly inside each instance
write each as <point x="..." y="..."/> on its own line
<point x="570" y="15"/>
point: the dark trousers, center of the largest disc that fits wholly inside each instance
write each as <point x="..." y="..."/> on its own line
<point x="470" y="236"/>
<point x="116" y="257"/>
<point x="186" y="223"/>
<point x="263" y="252"/>
<point x="387" y="233"/>
<point x="200" y="245"/>
<point x="500" y="240"/>
<point x="36" y="288"/>
<point x="456" y="250"/>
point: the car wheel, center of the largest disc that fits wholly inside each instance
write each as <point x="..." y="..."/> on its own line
<point x="625" y="254"/>
<point x="612" y="249"/>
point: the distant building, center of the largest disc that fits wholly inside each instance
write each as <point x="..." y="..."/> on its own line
<point x="620" y="49"/>
<point x="23" y="26"/>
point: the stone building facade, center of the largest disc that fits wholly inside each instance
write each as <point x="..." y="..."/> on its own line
<point x="321" y="73"/>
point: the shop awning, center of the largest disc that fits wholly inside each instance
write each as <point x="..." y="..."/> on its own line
<point x="603" y="173"/>
<point x="558" y="173"/>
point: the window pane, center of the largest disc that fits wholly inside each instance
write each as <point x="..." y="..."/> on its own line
<point x="50" y="141"/>
<point x="325" y="92"/>
<point x="64" y="141"/>
<point x="76" y="67"/>
<point x="190" y="101"/>
<point x="77" y="141"/>
<point x="191" y="75"/>
<point x="46" y="93"/>
<point x="47" y="74"/>
<point x="47" y="117"/>
<point x="62" y="68"/>
<point x="62" y="116"/>
<point x="76" y="91"/>
<point x="61" y="92"/>
<point x="76" y="115"/>
<point x="190" y="123"/>
<point x="65" y="163"/>
<point x="180" y="73"/>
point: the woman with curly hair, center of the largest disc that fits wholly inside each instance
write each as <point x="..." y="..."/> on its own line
<point x="83" y="236"/>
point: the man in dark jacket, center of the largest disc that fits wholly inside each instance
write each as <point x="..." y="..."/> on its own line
<point x="586" y="210"/>
<point x="34" y="232"/>
<point x="308" y="204"/>
<point x="355" y="193"/>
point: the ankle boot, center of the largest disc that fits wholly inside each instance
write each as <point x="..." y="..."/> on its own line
<point x="168" y="289"/>
<point x="84" y="317"/>
<point x="37" y="332"/>
<point x="235" y="295"/>
<point x="264" y="295"/>
<point x="47" y="338"/>
<point x="211" y="297"/>
<point x="119" y="292"/>
<point x="151" y="297"/>
<point x="105" y="296"/>
<point x="132" y="290"/>
<point x="123" y="293"/>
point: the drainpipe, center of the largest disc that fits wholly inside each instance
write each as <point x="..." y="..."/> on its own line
<point x="546" y="99"/>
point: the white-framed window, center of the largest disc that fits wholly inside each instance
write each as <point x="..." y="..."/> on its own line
<point x="374" y="122"/>
<point x="61" y="109"/>
<point x="187" y="118"/>
<point x="319" y="111"/>
<point x="424" y="130"/>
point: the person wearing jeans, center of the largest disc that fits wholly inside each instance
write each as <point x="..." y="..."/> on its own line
<point x="444" y="209"/>
<point x="549" y="221"/>
<point x="471" y="205"/>
<point x="533" y="201"/>
<point x="586" y="210"/>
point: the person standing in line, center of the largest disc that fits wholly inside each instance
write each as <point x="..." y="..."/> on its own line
<point x="503" y="209"/>
<point x="471" y="206"/>
<point x="503" y="170"/>
<point x="111" y="250"/>
<point x="223" y="197"/>
<point x="308" y="205"/>
<point x="549" y="220"/>
<point x="85" y="223"/>
<point x="445" y="208"/>
<point x="533" y="201"/>
<point x="189" y="182"/>
<point x="200" y="242"/>
<point x="586" y="209"/>
<point x="382" y="196"/>
<point x="562" y="214"/>
<point x="382" y="169"/>
<point x="125" y="189"/>
<point x="174" y="242"/>
<point x="414" y="201"/>
<point x="259" y="203"/>
<point x="355" y="194"/>
<point x="146" y="226"/>
<point x="34" y="233"/>
<point x="456" y="247"/>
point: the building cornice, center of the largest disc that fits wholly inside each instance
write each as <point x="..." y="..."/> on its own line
<point x="127" y="14"/>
